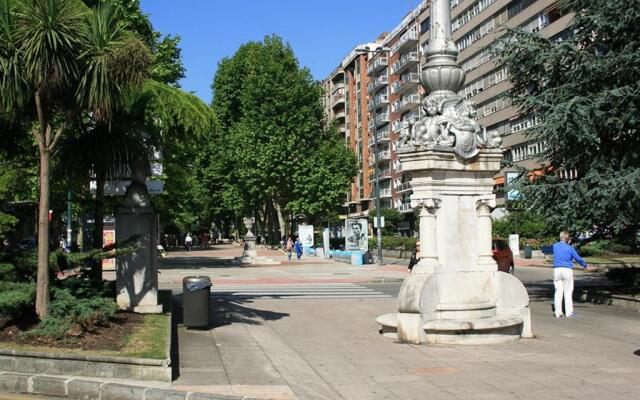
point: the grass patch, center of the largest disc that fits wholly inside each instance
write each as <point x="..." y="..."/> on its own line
<point x="149" y="340"/>
<point x="613" y="260"/>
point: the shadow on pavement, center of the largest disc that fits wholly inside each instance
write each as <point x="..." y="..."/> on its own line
<point x="226" y="311"/>
<point x="195" y="263"/>
<point x="544" y="290"/>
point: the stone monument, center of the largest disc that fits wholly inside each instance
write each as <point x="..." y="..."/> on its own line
<point x="249" y="253"/>
<point x="137" y="273"/>
<point x="455" y="294"/>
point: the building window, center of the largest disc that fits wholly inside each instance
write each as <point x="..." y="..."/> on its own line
<point x="425" y="25"/>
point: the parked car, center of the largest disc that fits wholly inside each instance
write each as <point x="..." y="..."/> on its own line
<point x="503" y="255"/>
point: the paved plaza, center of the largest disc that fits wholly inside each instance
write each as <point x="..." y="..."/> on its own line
<point x="307" y="330"/>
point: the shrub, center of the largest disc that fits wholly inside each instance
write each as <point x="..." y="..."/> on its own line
<point x="537" y="243"/>
<point x="626" y="276"/>
<point x="16" y="299"/>
<point x="72" y="316"/>
<point x="602" y="247"/>
<point x="394" y="243"/>
<point x="8" y="272"/>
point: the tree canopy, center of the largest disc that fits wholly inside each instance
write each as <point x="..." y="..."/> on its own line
<point x="585" y="91"/>
<point x="272" y="148"/>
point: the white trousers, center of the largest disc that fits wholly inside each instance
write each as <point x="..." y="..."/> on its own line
<point x="563" y="282"/>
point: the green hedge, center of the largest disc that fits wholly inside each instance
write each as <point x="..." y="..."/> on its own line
<point x="603" y="247"/>
<point x="16" y="299"/>
<point x="394" y="243"/>
<point x="71" y="315"/>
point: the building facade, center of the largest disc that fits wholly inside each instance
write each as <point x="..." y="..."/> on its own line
<point x="389" y="102"/>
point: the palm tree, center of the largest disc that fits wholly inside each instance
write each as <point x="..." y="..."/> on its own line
<point x="61" y="59"/>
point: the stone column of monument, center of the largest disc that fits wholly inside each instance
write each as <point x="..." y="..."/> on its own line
<point x="456" y="294"/>
<point x="249" y="253"/>
<point x="249" y="250"/>
<point x="137" y="273"/>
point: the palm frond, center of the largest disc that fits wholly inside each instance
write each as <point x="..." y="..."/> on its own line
<point x="115" y="61"/>
<point x="14" y="89"/>
<point x="48" y="33"/>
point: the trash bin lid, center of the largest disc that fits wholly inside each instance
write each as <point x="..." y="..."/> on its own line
<point x="193" y="283"/>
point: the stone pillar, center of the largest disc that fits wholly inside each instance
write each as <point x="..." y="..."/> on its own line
<point x="137" y="273"/>
<point x="249" y="250"/>
<point x="428" y="236"/>
<point x="485" y="246"/>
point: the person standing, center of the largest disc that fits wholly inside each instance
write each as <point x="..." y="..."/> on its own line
<point x="563" y="256"/>
<point x="415" y="257"/>
<point x="289" y="248"/>
<point x="188" y="242"/>
<point x="298" y="248"/>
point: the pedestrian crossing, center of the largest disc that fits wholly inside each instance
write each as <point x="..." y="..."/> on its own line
<point x="297" y="291"/>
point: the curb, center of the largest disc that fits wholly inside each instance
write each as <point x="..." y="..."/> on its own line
<point x="81" y="388"/>
<point x="90" y="365"/>
<point x="596" y="297"/>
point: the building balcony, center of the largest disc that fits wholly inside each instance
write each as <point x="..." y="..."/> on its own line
<point x="384" y="174"/>
<point x="377" y="64"/>
<point x="381" y="119"/>
<point x="385" y="192"/>
<point x="337" y="86"/>
<point x="337" y="99"/>
<point x="403" y="187"/>
<point x="405" y="62"/>
<point x="378" y="83"/>
<point x="408" y="39"/>
<point x="398" y="125"/>
<point x="381" y="99"/>
<point x="408" y="82"/>
<point x="406" y="103"/>
<point x="340" y="115"/>
<point x="404" y="208"/>
<point x="383" y="137"/>
<point x="384" y="155"/>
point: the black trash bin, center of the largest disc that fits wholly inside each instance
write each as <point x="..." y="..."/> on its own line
<point x="196" y="304"/>
<point x="527" y="251"/>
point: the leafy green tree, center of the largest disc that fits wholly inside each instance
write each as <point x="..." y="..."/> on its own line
<point x="56" y="59"/>
<point x="528" y="224"/>
<point x="586" y="93"/>
<point x="273" y="153"/>
<point x="392" y="220"/>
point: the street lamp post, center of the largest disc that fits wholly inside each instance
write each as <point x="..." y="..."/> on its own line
<point x="376" y="170"/>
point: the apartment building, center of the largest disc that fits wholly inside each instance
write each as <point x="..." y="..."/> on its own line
<point x="392" y="92"/>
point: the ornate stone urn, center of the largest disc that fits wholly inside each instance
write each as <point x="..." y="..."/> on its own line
<point x="455" y="294"/>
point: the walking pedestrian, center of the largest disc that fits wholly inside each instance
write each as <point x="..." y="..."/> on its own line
<point x="289" y="247"/>
<point x="415" y="257"/>
<point x="563" y="256"/>
<point x="298" y="247"/>
<point x="188" y="242"/>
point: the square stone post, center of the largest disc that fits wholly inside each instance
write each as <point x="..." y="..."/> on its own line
<point x="137" y="273"/>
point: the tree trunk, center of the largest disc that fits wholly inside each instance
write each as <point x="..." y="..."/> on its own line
<point x="98" y="227"/>
<point x="283" y="225"/>
<point x="42" y="291"/>
<point x="272" y="222"/>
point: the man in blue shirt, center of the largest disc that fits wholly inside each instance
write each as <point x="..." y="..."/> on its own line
<point x="563" y="256"/>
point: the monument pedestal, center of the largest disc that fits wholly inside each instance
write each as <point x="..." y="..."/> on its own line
<point x="137" y="273"/>
<point x="249" y="253"/>
<point x="456" y="294"/>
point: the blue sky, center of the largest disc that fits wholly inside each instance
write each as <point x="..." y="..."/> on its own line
<point x="321" y="32"/>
